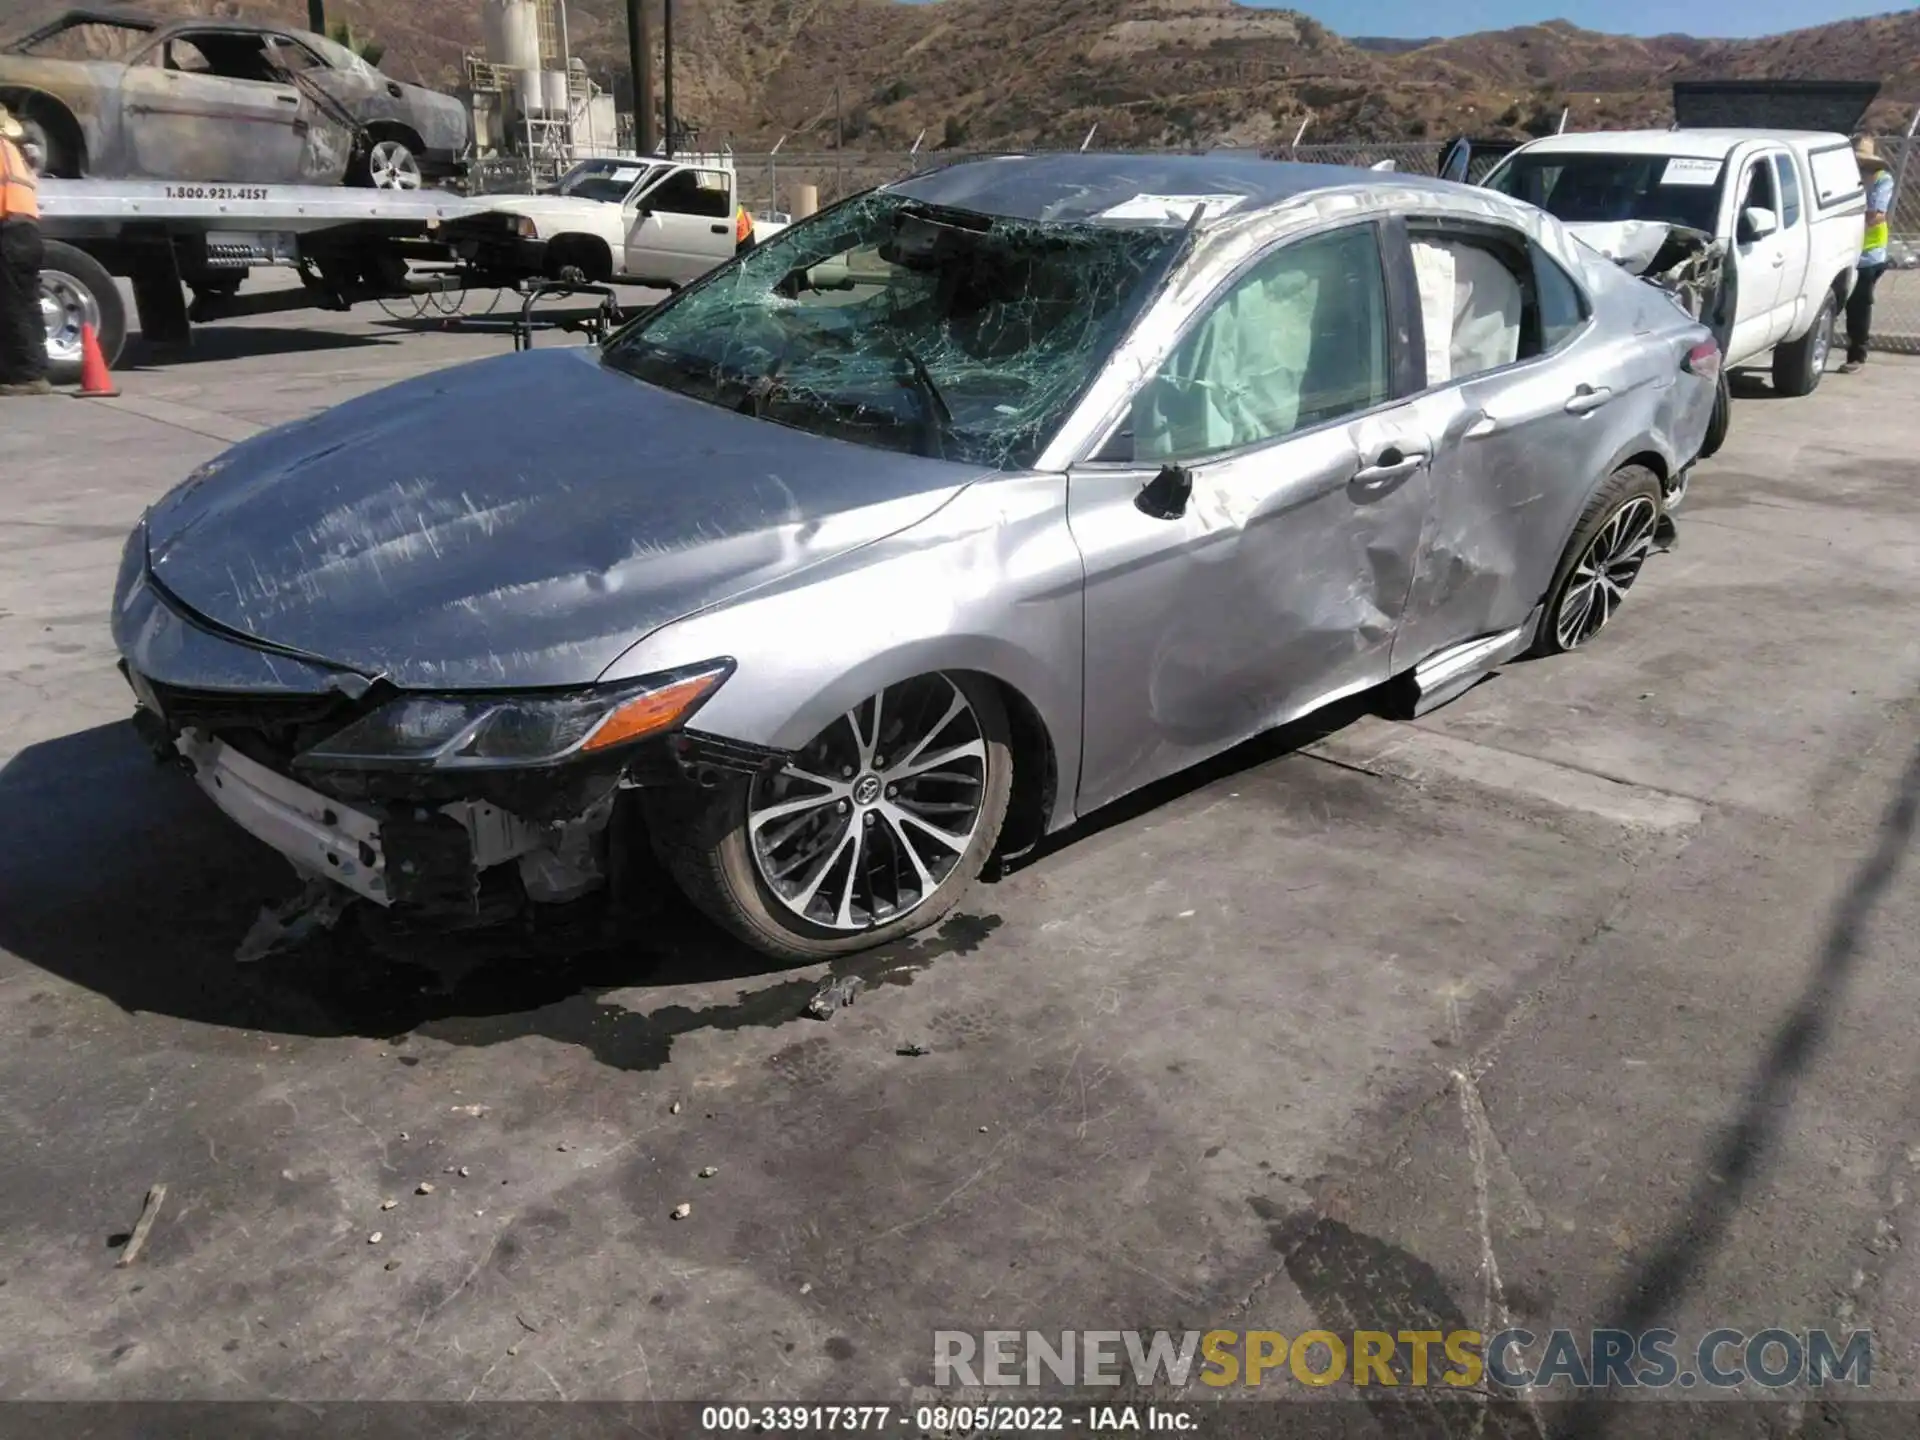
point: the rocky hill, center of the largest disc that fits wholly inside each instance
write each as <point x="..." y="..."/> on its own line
<point x="1148" y="72"/>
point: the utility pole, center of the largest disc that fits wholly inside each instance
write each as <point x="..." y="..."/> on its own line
<point x="640" y="67"/>
<point x="666" y="71"/>
<point x="317" y="16"/>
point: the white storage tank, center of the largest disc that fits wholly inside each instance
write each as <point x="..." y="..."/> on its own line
<point x="554" y="87"/>
<point x="512" y="33"/>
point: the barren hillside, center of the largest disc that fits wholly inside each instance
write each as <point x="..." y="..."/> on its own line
<point x="1000" y="72"/>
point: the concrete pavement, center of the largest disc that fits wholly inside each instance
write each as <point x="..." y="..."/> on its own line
<point x="1583" y="1000"/>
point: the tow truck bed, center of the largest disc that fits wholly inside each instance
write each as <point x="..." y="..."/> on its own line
<point x="348" y="244"/>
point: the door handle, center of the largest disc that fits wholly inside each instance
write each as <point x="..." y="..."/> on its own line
<point x="1390" y="465"/>
<point x="1588" y="398"/>
<point x="288" y="99"/>
<point x="718" y="229"/>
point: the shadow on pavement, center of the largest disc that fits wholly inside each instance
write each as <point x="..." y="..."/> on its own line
<point x="123" y="879"/>
<point x="243" y="342"/>
<point x="1738" y="1160"/>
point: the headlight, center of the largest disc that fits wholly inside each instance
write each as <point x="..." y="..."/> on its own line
<point x="477" y="732"/>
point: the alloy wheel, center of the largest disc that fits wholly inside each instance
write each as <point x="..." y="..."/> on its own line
<point x="1603" y="575"/>
<point x="872" y="816"/>
<point x="65" y="307"/>
<point x="392" y="166"/>
<point x="1822" y="341"/>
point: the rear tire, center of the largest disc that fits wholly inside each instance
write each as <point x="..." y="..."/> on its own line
<point x="1611" y="543"/>
<point x="75" y="288"/>
<point x="1722" y="418"/>
<point x="728" y="848"/>
<point x="1799" y="364"/>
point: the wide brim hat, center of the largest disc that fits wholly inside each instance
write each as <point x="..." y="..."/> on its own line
<point x="1868" y="154"/>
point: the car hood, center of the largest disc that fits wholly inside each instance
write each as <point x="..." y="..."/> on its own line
<point x="521" y="521"/>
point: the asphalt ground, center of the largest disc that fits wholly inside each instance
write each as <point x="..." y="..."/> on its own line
<point x="1586" y="1000"/>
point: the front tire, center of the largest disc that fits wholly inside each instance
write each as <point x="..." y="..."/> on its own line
<point x="1799" y="364"/>
<point x="874" y="831"/>
<point x="1611" y="543"/>
<point x="1721" y="420"/>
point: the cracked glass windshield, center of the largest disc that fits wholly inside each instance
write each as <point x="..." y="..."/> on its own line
<point x="895" y="324"/>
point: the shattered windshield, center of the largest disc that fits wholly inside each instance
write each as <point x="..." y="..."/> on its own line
<point x="600" y="180"/>
<point x="1595" y="189"/>
<point x="892" y="323"/>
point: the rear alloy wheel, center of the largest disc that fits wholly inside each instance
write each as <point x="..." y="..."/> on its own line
<point x="873" y="831"/>
<point x="1611" y="543"/>
<point x="391" y="166"/>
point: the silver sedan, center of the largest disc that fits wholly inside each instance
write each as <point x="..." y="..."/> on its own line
<point x="925" y="529"/>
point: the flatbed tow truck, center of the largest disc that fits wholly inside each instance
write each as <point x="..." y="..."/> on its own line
<point x="168" y="237"/>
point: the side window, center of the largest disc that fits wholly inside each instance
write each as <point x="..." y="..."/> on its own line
<point x="1758" y="194"/>
<point x="693" y="192"/>
<point x="1473" y="302"/>
<point x="1789" y="191"/>
<point x="1297" y="340"/>
<point x="184" y="55"/>
<point x="293" y="56"/>
<point x="1563" y="309"/>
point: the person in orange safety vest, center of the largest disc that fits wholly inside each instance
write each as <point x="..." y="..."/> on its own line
<point x="742" y="228"/>
<point x="23" y="334"/>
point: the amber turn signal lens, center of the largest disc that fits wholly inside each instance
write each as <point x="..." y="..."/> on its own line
<point x="651" y="713"/>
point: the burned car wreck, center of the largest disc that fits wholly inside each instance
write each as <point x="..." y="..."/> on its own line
<point x="927" y="527"/>
<point x="115" y="93"/>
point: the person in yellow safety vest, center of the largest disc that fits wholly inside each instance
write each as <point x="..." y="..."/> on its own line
<point x="23" y="332"/>
<point x="742" y="228"/>
<point x="1878" y="180"/>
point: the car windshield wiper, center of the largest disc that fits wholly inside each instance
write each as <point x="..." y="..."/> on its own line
<point x="919" y="379"/>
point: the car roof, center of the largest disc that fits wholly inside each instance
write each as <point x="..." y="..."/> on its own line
<point x="1087" y="187"/>
<point x="1693" y="144"/>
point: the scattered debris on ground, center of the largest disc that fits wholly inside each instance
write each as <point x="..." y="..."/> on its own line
<point x="912" y="1050"/>
<point x="388" y="1204"/>
<point x="476" y="1111"/>
<point x="375" y="1238"/>
<point x="707" y="1172"/>
<point x="317" y="907"/>
<point x="834" y="995"/>
<point x="426" y="1186"/>
<point x="682" y="1210"/>
<point x="149" y="1212"/>
<point x="674" y="1109"/>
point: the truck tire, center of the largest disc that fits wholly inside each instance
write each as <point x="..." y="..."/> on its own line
<point x="75" y="289"/>
<point x="1799" y="364"/>
<point x="1721" y="419"/>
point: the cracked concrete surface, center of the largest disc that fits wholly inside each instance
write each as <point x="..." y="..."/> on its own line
<point x="1583" y="1000"/>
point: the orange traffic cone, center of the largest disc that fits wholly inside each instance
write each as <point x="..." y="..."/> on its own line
<point x="95" y="381"/>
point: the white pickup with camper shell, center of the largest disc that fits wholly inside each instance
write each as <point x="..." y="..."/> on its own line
<point x="1756" y="231"/>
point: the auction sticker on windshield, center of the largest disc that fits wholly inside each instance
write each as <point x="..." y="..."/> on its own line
<point x="625" y="175"/>
<point x="1169" y="207"/>
<point x="1690" y="172"/>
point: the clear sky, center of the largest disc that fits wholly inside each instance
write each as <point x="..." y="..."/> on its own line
<point x="1621" y="17"/>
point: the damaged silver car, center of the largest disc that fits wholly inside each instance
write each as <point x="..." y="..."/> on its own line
<point x="937" y="522"/>
<point x="117" y="93"/>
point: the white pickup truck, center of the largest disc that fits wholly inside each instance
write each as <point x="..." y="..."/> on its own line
<point x="1756" y="230"/>
<point x="646" y="221"/>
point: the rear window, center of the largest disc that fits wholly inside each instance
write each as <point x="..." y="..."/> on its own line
<point x="1836" y="176"/>
<point x="1605" y="189"/>
<point x="1789" y="191"/>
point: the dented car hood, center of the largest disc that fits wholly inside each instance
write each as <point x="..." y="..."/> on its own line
<point x="521" y="521"/>
<point x="1630" y="244"/>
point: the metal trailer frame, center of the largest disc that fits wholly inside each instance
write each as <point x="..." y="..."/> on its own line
<point x="349" y="245"/>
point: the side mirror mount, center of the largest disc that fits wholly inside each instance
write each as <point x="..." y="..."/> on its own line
<point x="1757" y="223"/>
<point x="1165" y="496"/>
